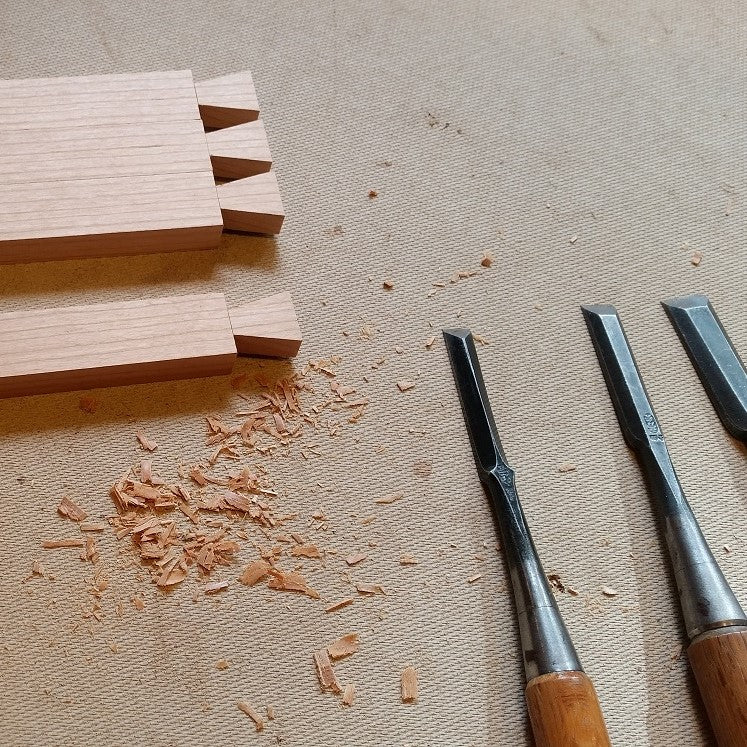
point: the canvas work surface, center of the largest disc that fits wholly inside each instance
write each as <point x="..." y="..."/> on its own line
<point x="586" y="154"/>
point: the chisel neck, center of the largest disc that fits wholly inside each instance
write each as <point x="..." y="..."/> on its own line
<point x="545" y="642"/>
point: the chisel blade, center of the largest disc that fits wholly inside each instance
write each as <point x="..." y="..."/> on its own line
<point x="717" y="363"/>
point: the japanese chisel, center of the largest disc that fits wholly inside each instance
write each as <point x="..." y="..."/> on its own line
<point x="714" y="620"/>
<point x="716" y="362"/>
<point x="561" y="700"/>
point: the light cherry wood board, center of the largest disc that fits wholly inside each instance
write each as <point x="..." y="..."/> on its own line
<point x="125" y="342"/>
<point x="133" y="342"/>
<point x="120" y="164"/>
<point x="252" y="204"/>
<point x="267" y="326"/>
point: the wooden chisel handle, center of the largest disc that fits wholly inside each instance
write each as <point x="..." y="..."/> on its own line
<point x="564" y="711"/>
<point x="719" y="661"/>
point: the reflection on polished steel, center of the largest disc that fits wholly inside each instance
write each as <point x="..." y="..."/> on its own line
<point x="545" y="642"/>
<point x="705" y="596"/>
<point x="717" y="363"/>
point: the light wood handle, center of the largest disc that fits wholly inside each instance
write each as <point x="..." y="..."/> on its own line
<point x="719" y="661"/>
<point x="564" y="711"/>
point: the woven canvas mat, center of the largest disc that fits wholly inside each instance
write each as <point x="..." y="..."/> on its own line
<point x="506" y="127"/>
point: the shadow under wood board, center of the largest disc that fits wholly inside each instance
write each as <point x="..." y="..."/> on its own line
<point x="134" y="342"/>
<point x="108" y="165"/>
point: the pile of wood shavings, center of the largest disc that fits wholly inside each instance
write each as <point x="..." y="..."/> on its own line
<point x="198" y="525"/>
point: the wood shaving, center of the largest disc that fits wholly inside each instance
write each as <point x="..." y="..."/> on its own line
<point x="71" y="510"/>
<point x="408" y="559"/>
<point x="348" y="695"/>
<point x="480" y="338"/>
<point x="573" y="239"/>
<point x="244" y="707"/>
<point x="254" y="573"/>
<point x="222" y="664"/>
<point x="566" y="467"/>
<point x="405" y="385"/>
<point x="88" y="526"/>
<point x="342" y="647"/>
<point x="487" y="258"/>
<point x="372" y="194"/>
<point x="608" y="591"/>
<point x="145" y="442"/>
<point x="366" y="520"/>
<point x="138" y="604"/>
<point x="270" y="713"/>
<point x="368" y="589"/>
<point x="355" y="558"/>
<point x="388" y="285"/>
<point x="696" y="258"/>
<point x="290" y="582"/>
<point x="339" y="605"/>
<point x="429" y="342"/>
<point x="325" y="673"/>
<point x="306" y="551"/>
<point x="476" y="577"/>
<point x="390" y="498"/>
<point x="409" y="685"/>
<point x="56" y="544"/>
<point x="216" y="586"/>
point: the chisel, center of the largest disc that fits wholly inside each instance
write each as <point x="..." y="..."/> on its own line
<point x="717" y="363"/>
<point x="562" y="704"/>
<point x="715" y="622"/>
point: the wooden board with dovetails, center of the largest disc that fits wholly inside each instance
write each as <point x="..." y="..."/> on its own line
<point x="121" y="164"/>
<point x="134" y="342"/>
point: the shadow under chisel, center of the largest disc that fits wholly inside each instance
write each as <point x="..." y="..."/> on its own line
<point x="562" y="704"/>
<point x="717" y="363"/>
<point x="715" y="622"/>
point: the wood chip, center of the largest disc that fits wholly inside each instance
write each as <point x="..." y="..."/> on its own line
<point x="290" y="582"/>
<point x="408" y="559"/>
<point x="145" y="442"/>
<point x="608" y="591"/>
<point x="71" y="510"/>
<point x="403" y="385"/>
<point x="429" y="342"/>
<point x="55" y="544"/>
<point x="393" y="497"/>
<point x="370" y="589"/>
<point x="372" y="194"/>
<point x="222" y="664"/>
<point x="216" y="586"/>
<point x="138" y="604"/>
<point x="254" y="573"/>
<point x="348" y="695"/>
<point x="244" y="707"/>
<point x="88" y="526"/>
<point x="306" y="551"/>
<point x="476" y="577"/>
<point x="480" y="338"/>
<point x="388" y="285"/>
<point x="339" y="605"/>
<point x="566" y="467"/>
<point x="697" y="258"/>
<point x="270" y="713"/>
<point x="487" y="258"/>
<point x="325" y="673"/>
<point x="409" y="685"/>
<point x="342" y="647"/>
<point x="573" y="239"/>
<point x="355" y="558"/>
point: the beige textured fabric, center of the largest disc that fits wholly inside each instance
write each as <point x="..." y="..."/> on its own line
<point x="509" y="127"/>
